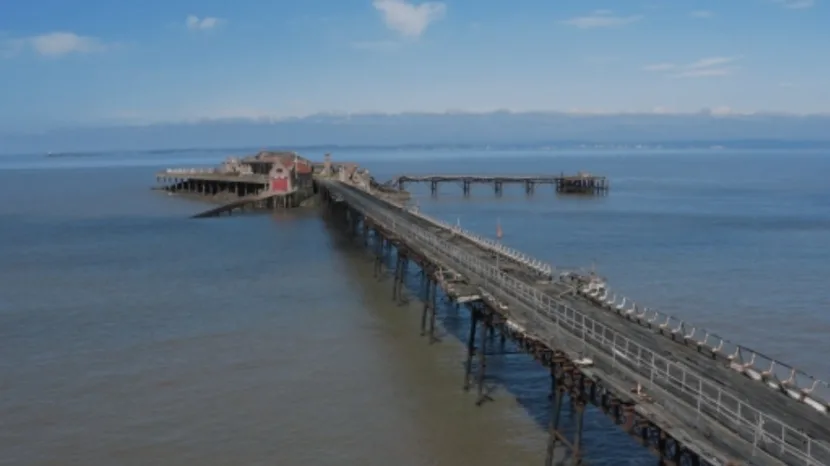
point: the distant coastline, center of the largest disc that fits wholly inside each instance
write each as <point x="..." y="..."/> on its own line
<point x="553" y="146"/>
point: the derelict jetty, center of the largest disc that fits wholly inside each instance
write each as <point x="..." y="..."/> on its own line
<point x="687" y="394"/>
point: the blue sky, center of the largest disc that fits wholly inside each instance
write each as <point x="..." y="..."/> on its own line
<point x="94" y="62"/>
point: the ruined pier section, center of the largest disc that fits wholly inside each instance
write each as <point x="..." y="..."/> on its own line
<point x="268" y="180"/>
<point x="689" y="400"/>
<point x="581" y="183"/>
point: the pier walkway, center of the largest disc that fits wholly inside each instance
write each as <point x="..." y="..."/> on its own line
<point x="714" y="401"/>
<point x="240" y="204"/>
<point x="583" y="183"/>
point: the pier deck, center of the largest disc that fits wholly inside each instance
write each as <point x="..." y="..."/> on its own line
<point x="581" y="183"/>
<point x="690" y="390"/>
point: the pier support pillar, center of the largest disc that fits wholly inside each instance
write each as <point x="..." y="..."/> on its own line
<point x="433" y="308"/>
<point x="558" y="396"/>
<point x="396" y="277"/>
<point x="466" y="184"/>
<point x="433" y="188"/>
<point x="580" y="417"/>
<point x="499" y="187"/>
<point x="482" y="359"/>
<point x="402" y="277"/>
<point x="426" y="309"/>
<point x="378" y="244"/>
<point x="471" y="341"/>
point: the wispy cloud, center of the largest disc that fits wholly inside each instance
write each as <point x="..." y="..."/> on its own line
<point x="53" y="44"/>
<point x="796" y="4"/>
<point x="703" y="68"/>
<point x="376" y="45"/>
<point x="409" y="19"/>
<point x="702" y="14"/>
<point x="195" y="23"/>
<point x="601" y="19"/>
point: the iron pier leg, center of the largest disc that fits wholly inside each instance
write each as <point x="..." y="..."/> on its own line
<point x="471" y="341"/>
<point x="426" y="309"/>
<point x="580" y="416"/>
<point x="402" y="278"/>
<point x="482" y="360"/>
<point x="432" y="298"/>
<point x="378" y="243"/>
<point x="556" y="411"/>
<point x="694" y="460"/>
<point x="678" y="453"/>
<point x="395" y="278"/>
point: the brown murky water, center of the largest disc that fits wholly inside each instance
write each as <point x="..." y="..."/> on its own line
<point x="131" y="335"/>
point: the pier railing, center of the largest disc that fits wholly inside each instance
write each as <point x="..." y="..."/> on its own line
<point x="652" y="370"/>
<point x="543" y="269"/>
<point x="777" y="375"/>
<point x="755" y="365"/>
<point x="190" y="171"/>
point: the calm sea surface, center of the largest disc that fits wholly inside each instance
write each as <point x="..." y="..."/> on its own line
<point x="132" y="335"/>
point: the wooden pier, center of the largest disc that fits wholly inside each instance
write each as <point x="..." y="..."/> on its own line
<point x="690" y="399"/>
<point x="581" y="183"/>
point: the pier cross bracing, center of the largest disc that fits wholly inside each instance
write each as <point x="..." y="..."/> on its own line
<point x="692" y="398"/>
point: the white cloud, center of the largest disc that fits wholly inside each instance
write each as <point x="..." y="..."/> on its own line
<point x="53" y="44"/>
<point x="703" y="68"/>
<point x="796" y="4"/>
<point x="704" y="73"/>
<point x="701" y="14"/>
<point x="195" y="23"/>
<point x="409" y="19"/>
<point x="601" y="19"/>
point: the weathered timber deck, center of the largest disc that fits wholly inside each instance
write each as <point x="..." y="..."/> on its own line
<point x="715" y="410"/>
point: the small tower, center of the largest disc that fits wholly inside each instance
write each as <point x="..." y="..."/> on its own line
<point x="327" y="164"/>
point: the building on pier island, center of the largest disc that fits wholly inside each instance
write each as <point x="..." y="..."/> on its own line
<point x="287" y="172"/>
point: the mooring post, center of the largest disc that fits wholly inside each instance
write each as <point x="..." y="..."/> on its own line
<point x="471" y="341"/>
<point x="482" y="359"/>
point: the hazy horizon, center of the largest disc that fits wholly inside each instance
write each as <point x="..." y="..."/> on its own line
<point x="510" y="129"/>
